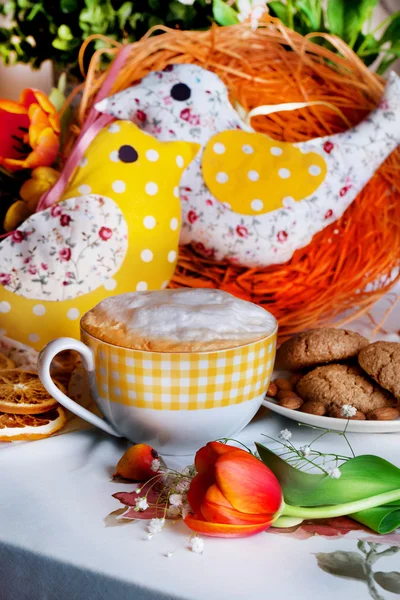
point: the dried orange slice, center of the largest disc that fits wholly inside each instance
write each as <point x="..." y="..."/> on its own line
<point x="22" y="393"/>
<point x="31" y="427"/>
<point x="5" y="362"/>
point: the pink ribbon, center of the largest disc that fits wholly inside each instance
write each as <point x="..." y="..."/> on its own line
<point x="94" y="123"/>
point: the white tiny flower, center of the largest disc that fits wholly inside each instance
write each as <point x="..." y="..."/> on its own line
<point x="175" y="499"/>
<point x="138" y="491"/>
<point x="187" y="2"/>
<point x="334" y="473"/>
<point x="155" y="465"/>
<point x="141" y="504"/>
<point x="196" y="545"/>
<point x="173" y="511"/>
<point x="183" y="486"/>
<point x="155" y="526"/>
<point x="305" y="450"/>
<point x="285" y="435"/>
<point x="348" y="410"/>
<point x="185" y="511"/>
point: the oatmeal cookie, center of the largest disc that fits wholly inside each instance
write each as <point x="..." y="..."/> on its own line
<point x="335" y="385"/>
<point x="318" y="347"/>
<point x="381" y="360"/>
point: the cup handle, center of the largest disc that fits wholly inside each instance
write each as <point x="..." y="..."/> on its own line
<point x="44" y="362"/>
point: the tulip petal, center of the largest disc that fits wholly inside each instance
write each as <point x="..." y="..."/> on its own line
<point x="197" y="490"/>
<point x="13" y="125"/>
<point x="36" y="97"/>
<point x="207" y="455"/>
<point x="214" y="513"/>
<point x="46" y="150"/>
<point x="223" y="530"/>
<point x="214" y="495"/>
<point x="247" y="483"/>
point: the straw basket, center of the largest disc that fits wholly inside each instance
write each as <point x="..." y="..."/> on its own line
<point x="353" y="262"/>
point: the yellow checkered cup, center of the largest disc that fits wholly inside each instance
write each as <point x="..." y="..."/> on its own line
<point x="174" y="401"/>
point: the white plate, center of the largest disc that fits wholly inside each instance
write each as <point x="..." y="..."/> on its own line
<point x="335" y="424"/>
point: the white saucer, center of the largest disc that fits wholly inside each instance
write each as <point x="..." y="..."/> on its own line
<point x="335" y="424"/>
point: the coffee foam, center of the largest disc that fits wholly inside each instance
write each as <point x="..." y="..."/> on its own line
<point x="184" y="315"/>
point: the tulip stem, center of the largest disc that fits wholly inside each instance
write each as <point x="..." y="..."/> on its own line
<point x="339" y="510"/>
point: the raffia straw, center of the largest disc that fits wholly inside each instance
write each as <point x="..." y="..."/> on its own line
<point x="350" y="264"/>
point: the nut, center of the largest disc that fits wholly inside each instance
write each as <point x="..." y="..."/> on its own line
<point x="283" y="384"/>
<point x="295" y="378"/>
<point x="285" y="394"/>
<point x="383" y="414"/>
<point x="336" y="413"/>
<point x="272" y="390"/>
<point x="314" y="408"/>
<point x="294" y="402"/>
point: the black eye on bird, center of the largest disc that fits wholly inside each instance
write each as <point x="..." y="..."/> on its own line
<point x="127" y="154"/>
<point x="181" y="92"/>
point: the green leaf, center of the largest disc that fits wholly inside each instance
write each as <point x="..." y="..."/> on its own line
<point x="361" y="477"/>
<point x="313" y="12"/>
<point x="69" y="6"/>
<point x="280" y="10"/>
<point x="224" y="14"/>
<point x="383" y="519"/>
<point x="357" y="13"/>
<point x="392" y="32"/>
<point x="64" y="33"/>
<point x="65" y="45"/>
<point x="123" y="13"/>
<point x="388" y="581"/>
<point x="342" y="564"/>
<point x="335" y="16"/>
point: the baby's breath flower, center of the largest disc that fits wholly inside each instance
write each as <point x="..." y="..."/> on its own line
<point x="348" y="410"/>
<point x="285" y="435"/>
<point x="305" y="450"/>
<point x="175" y="499"/>
<point x="334" y="473"/>
<point x="141" y="503"/>
<point x="196" y="544"/>
<point x="155" y="526"/>
<point x="138" y="491"/>
<point x="182" y="486"/>
<point x="155" y="465"/>
<point x="173" y="511"/>
<point x="185" y="511"/>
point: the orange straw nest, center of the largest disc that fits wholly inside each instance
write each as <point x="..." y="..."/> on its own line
<point x="350" y="264"/>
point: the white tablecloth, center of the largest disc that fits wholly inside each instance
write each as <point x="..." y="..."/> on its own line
<point x="56" y="542"/>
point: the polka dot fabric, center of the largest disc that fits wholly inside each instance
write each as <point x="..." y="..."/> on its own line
<point x="259" y="172"/>
<point x="115" y="230"/>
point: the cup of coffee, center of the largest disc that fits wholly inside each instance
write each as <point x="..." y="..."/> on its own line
<point x="172" y="368"/>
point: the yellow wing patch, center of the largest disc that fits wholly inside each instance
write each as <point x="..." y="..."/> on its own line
<point x="254" y="174"/>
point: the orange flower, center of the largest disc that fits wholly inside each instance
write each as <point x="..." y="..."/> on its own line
<point x="233" y="494"/>
<point x="29" y="131"/>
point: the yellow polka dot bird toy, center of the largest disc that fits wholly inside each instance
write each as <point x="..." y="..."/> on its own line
<point x="114" y="229"/>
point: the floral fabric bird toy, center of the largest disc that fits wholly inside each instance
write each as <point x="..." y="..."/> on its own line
<point x="114" y="229"/>
<point x="247" y="198"/>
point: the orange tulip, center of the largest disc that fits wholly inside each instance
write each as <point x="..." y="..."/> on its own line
<point x="29" y="131"/>
<point x="233" y="494"/>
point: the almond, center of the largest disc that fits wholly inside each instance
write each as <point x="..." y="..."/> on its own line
<point x="383" y="414"/>
<point x="294" y="402"/>
<point x="295" y="378"/>
<point x="272" y="390"/>
<point x="314" y="408"/>
<point x="336" y="413"/>
<point x="283" y="384"/>
<point x="285" y="394"/>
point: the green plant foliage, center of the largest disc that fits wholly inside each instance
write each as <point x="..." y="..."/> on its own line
<point x="42" y="29"/>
